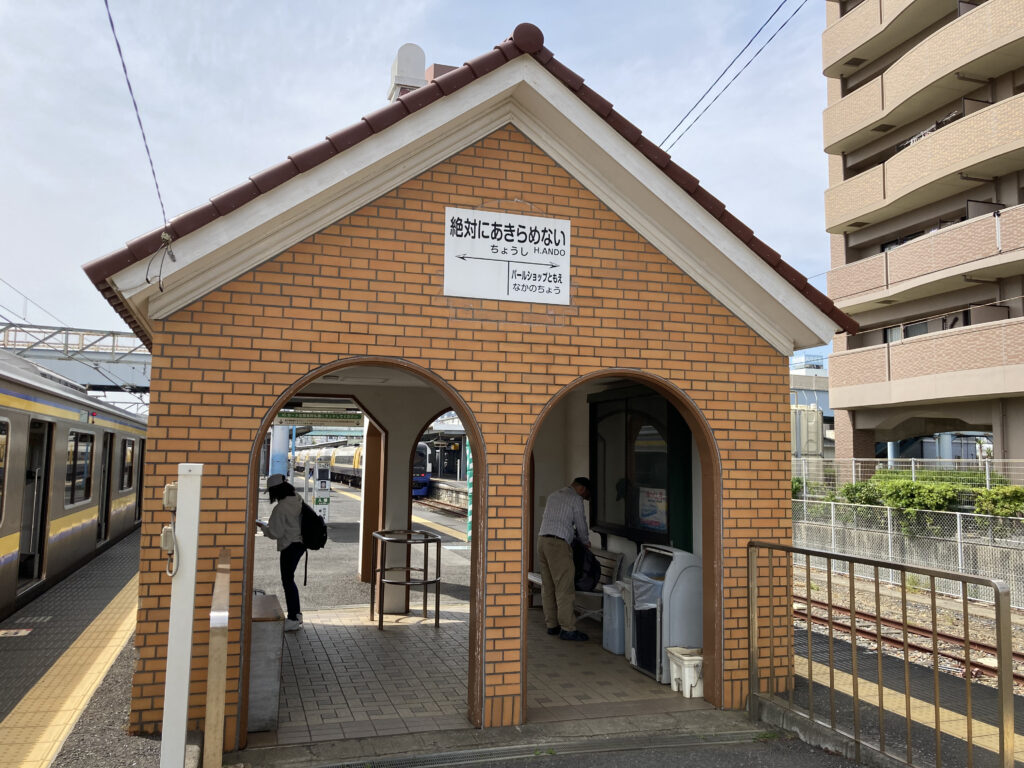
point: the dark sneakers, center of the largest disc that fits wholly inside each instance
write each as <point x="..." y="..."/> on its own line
<point x="554" y="630"/>
<point x="574" y="635"/>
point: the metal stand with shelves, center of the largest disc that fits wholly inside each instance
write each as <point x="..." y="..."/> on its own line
<point x="410" y="576"/>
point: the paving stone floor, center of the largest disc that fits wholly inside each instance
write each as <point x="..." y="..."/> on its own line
<point x="343" y="678"/>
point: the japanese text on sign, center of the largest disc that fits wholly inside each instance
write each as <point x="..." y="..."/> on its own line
<point x="493" y="255"/>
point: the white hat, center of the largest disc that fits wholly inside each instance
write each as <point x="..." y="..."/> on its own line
<point x="274" y="480"/>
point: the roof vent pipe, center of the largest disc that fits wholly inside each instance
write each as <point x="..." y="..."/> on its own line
<point x="407" y="71"/>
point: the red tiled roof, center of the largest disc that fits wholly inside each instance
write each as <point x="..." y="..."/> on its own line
<point x="526" y="39"/>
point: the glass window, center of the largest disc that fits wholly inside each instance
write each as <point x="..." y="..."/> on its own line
<point x="127" y="464"/>
<point x="4" y="431"/>
<point x="641" y="468"/>
<point x="78" y="483"/>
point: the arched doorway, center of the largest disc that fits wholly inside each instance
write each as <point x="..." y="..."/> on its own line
<point x="397" y="397"/>
<point x="657" y="480"/>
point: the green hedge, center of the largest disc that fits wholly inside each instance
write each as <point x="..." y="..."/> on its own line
<point x="913" y="501"/>
<point x="955" y="477"/>
<point x="1004" y="501"/>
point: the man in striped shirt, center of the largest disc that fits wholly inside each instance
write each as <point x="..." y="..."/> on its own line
<point x="564" y="520"/>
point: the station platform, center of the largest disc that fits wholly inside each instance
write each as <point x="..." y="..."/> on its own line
<point x="57" y="650"/>
<point x="397" y="695"/>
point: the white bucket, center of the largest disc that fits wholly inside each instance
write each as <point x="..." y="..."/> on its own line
<point x="686" y="673"/>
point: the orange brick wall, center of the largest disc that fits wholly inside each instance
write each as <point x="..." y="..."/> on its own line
<point x="371" y="284"/>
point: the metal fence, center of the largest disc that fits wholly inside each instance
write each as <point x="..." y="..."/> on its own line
<point x="981" y="545"/>
<point x="816" y="663"/>
<point x="823" y="476"/>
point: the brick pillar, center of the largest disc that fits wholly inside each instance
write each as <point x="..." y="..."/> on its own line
<point x="853" y="443"/>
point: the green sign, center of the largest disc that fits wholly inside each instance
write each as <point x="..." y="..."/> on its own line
<point x="469" y="492"/>
<point x="318" y="418"/>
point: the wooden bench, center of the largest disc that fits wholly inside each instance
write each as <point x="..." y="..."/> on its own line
<point x="590" y="605"/>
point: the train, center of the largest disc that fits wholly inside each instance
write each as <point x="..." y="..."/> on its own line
<point x="421" y="471"/>
<point x="70" y="478"/>
<point x="346" y="463"/>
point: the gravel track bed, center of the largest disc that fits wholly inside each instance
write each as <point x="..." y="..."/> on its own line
<point x="100" y="738"/>
<point x="948" y="613"/>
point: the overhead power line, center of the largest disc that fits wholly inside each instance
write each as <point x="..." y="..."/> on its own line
<point x="733" y="80"/>
<point x="117" y="381"/>
<point x="138" y="117"/>
<point x="722" y="73"/>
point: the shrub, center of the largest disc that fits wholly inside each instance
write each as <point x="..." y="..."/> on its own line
<point x="908" y="494"/>
<point x="1002" y="501"/>
<point x="865" y="492"/>
<point x="956" y="477"/>
<point x="797" y="485"/>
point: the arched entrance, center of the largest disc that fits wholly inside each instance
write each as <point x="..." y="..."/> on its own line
<point x="658" y="478"/>
<point x="397" y="397"/>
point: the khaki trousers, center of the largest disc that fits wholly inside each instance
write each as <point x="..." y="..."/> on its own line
<point x="558" y="590"/>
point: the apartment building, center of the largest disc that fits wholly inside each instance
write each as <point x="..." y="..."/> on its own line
<point x="924" y="132"/>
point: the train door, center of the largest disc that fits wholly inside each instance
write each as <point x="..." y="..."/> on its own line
<point x="106" y="467"/>
<point x="140" y="462"/>
<point x="34" y="505"/>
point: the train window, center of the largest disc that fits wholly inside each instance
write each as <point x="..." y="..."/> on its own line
<point x="78" y="484"/>
<point x="127" y="464"/>
<point x="4" y="431"/>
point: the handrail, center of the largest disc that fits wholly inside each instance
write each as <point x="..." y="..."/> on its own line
<point x="217" y="662"/>
<point x="779" y="682"/>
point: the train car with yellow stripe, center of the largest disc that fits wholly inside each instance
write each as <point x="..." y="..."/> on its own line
<point x="70" y="478"/>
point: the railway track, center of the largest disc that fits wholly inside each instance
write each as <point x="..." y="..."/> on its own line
<point x="441" y="506"/>
<point x="911" y="629"/>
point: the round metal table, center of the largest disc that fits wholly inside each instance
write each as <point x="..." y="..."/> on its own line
<point x="407" y="575"/>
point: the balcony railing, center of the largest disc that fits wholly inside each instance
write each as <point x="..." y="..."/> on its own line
<point x="997" y="344"/>
<point x="921" y="80"/>
<point x="985" y="144"/>
<point x="960" y="245"/>
<point x="860" y="26"/>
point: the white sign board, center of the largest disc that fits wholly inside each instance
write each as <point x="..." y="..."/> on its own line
<point x="491" y="255"/>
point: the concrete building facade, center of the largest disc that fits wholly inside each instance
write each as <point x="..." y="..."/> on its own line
<point x="329" y="275"/>
<point x="924" y="132"/>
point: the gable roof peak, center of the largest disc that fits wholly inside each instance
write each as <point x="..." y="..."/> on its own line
<point x="439" y="82"/>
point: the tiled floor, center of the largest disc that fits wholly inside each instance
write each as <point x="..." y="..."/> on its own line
<point x="343" y="678"/>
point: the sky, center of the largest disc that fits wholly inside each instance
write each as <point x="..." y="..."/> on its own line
<point x="228" y="88"/>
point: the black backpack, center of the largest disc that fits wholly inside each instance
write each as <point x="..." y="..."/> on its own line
<point x="314" y="534"/>
<point x="587" y="567"/>
<point x="313" y="527"/>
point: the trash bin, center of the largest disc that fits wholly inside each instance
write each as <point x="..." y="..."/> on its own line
<point x="671" y="579"/>
<point x="626" y="586"/>
<point x="647" y="622"/>
<point x="613" y="636"/>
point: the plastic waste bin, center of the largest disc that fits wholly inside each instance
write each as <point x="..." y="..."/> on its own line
<point x="613" y="636"/>
<point x="672" y="580"/>
<point x="626" y="586"/>
<point x="647" y="622"/>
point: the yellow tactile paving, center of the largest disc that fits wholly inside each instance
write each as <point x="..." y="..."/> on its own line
<point x="453" y="532"/>
<point x="983" y="735"/>
<point x="456" y="534"/>
<point x="33" y="733"/>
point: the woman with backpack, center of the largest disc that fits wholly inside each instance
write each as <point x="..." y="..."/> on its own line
<point x="285" y="526"/>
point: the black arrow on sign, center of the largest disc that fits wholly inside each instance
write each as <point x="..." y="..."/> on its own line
<point x="508" y="261"/>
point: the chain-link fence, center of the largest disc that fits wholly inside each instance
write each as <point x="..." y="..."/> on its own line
<point x="821" y="478"/>
<point x="981" y="545"/>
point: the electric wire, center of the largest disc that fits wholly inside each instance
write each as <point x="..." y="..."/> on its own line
<point x="138" y="116"/>
<point x="733" y="80"/>
<point x="32" y="302"/>
<point x="722" y="73"/>
<point x="118" y="382"/>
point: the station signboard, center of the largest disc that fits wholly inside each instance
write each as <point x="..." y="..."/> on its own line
<point x="494" y="255"/>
